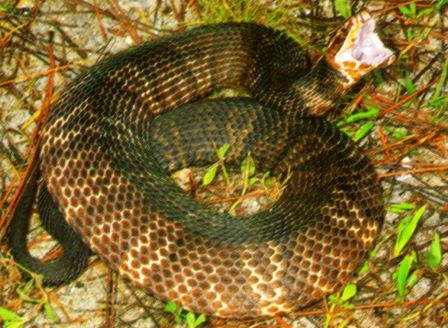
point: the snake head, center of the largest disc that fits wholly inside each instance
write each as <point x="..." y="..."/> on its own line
<point x="356" y="49"/>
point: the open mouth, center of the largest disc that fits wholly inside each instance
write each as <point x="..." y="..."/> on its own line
<point x="363" y="46"/>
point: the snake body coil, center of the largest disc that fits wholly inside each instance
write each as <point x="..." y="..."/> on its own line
<point x="104" y="161"/>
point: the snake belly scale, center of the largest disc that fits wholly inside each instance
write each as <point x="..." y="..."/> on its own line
<point x="116" y="130"/>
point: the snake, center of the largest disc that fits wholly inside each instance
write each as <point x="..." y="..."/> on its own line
<point x="118" y="130"/>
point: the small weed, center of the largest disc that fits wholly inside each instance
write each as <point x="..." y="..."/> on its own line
<point x="247" y="172"/>
<point x="343" y="8"/>
<point x="218" y="11"/>
<point x="365" y="266"/>
<point x="406" y="229"/>
<point x="6" y="7"/>
<point x="175" y="310"/>
<point x="412" y="12"/>
<point x="194" y="321"/>
<point x="440" y="100"/>
<point x="181" y="316"/>
<point x="370" y="113"/>
<point x="27" y="292"/>
<point x="434" y="255"/>
<point x="403" y="278"/>
<point x="342" y="301"/>
<point x="400" y="207"/>
<point x="210" y="174"/>
<point x="11" y="319"/>
<point x="363" y="131"/>
<point x="348" y="292"/>
<point x="235" y="188"/>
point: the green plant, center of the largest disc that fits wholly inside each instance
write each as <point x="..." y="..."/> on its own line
<point x="248" y="169"/>
<point x="247" y="178"/>
<point x="218" y="11"/>
<point x="370" y="113"/>
<point x="406" y="229"/>
<point x="210" y="174"/>
<point x="343" y="8"/>
<point x="25" y="289"/>
<point x="11" y="319"/>
<point x="434" y="255"/>
<point x="365" y="266"/>
<point x="411" y="11"/>
<point x="181" y="316"/>
<point x="348" y="292"/>
<point x="439" y="99"/>
<point x="400" y="207"/>
<point x="403" y="276"/>
<point x="340" y="300"/>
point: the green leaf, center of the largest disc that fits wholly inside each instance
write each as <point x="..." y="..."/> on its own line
<point x="441" y="3"/>
<point x="191" y="320"/>
<point x="434" y="255"/>
<point x="412" y="280"/>
<point x="7" y="315"/>
<point x="424" y="12"/>
<point x="14" y="324"/>
<point x="171" y="307"/>
<point x="406" y="229"/>
<point x="409" y="11"/>
<point x="364" y="267"/>
<point x="348" y="306"/>
<point x="410" y="88"/>
<point x="200" y="320"/>
<point x="405" y="10"/>
<point x="253" y="181"/>
<point x="343" y="8"/>
<point x="400" y="134"/>
<point x="11" y="319"/>
<point x="413" y="8"/>
<point x="175" y="310"/>
<point x="371" y="112"/>
<point x="248" y="166"/>
<point x="409" y="34"/>
<point x="438" y="102"/>
<point x="23" y="291"/>
<point x="49" y="312"/>
<point x="349" y="291"/>
<point x="403" y="273"/>
<point x="6" y="7"/>
<point x="222" y="151"/>
<point x="210" y="175"/>
<point x="332" y="298"/>
<point x="363" y="131"/>
<point x="400" y="207"/>
<point x="441" y="82"/>
<point x="267" y="180"/>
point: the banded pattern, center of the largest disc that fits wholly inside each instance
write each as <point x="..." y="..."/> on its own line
<point x="117" y="129"/>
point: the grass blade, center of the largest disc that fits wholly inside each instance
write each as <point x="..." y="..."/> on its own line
<point x="406" y="229"/>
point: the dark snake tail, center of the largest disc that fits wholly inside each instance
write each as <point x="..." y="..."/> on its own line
<point x="75" y="253"/>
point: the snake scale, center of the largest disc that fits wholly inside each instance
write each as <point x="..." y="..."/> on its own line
<point x="117" y="130"/>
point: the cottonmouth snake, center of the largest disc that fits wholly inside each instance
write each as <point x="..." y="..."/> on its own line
<point x="106" y="148"/>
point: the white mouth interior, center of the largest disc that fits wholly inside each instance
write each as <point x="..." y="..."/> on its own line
<point x="367" y="48"/>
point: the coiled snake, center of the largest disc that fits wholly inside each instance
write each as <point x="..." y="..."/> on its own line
<point x="103" y="162"/>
